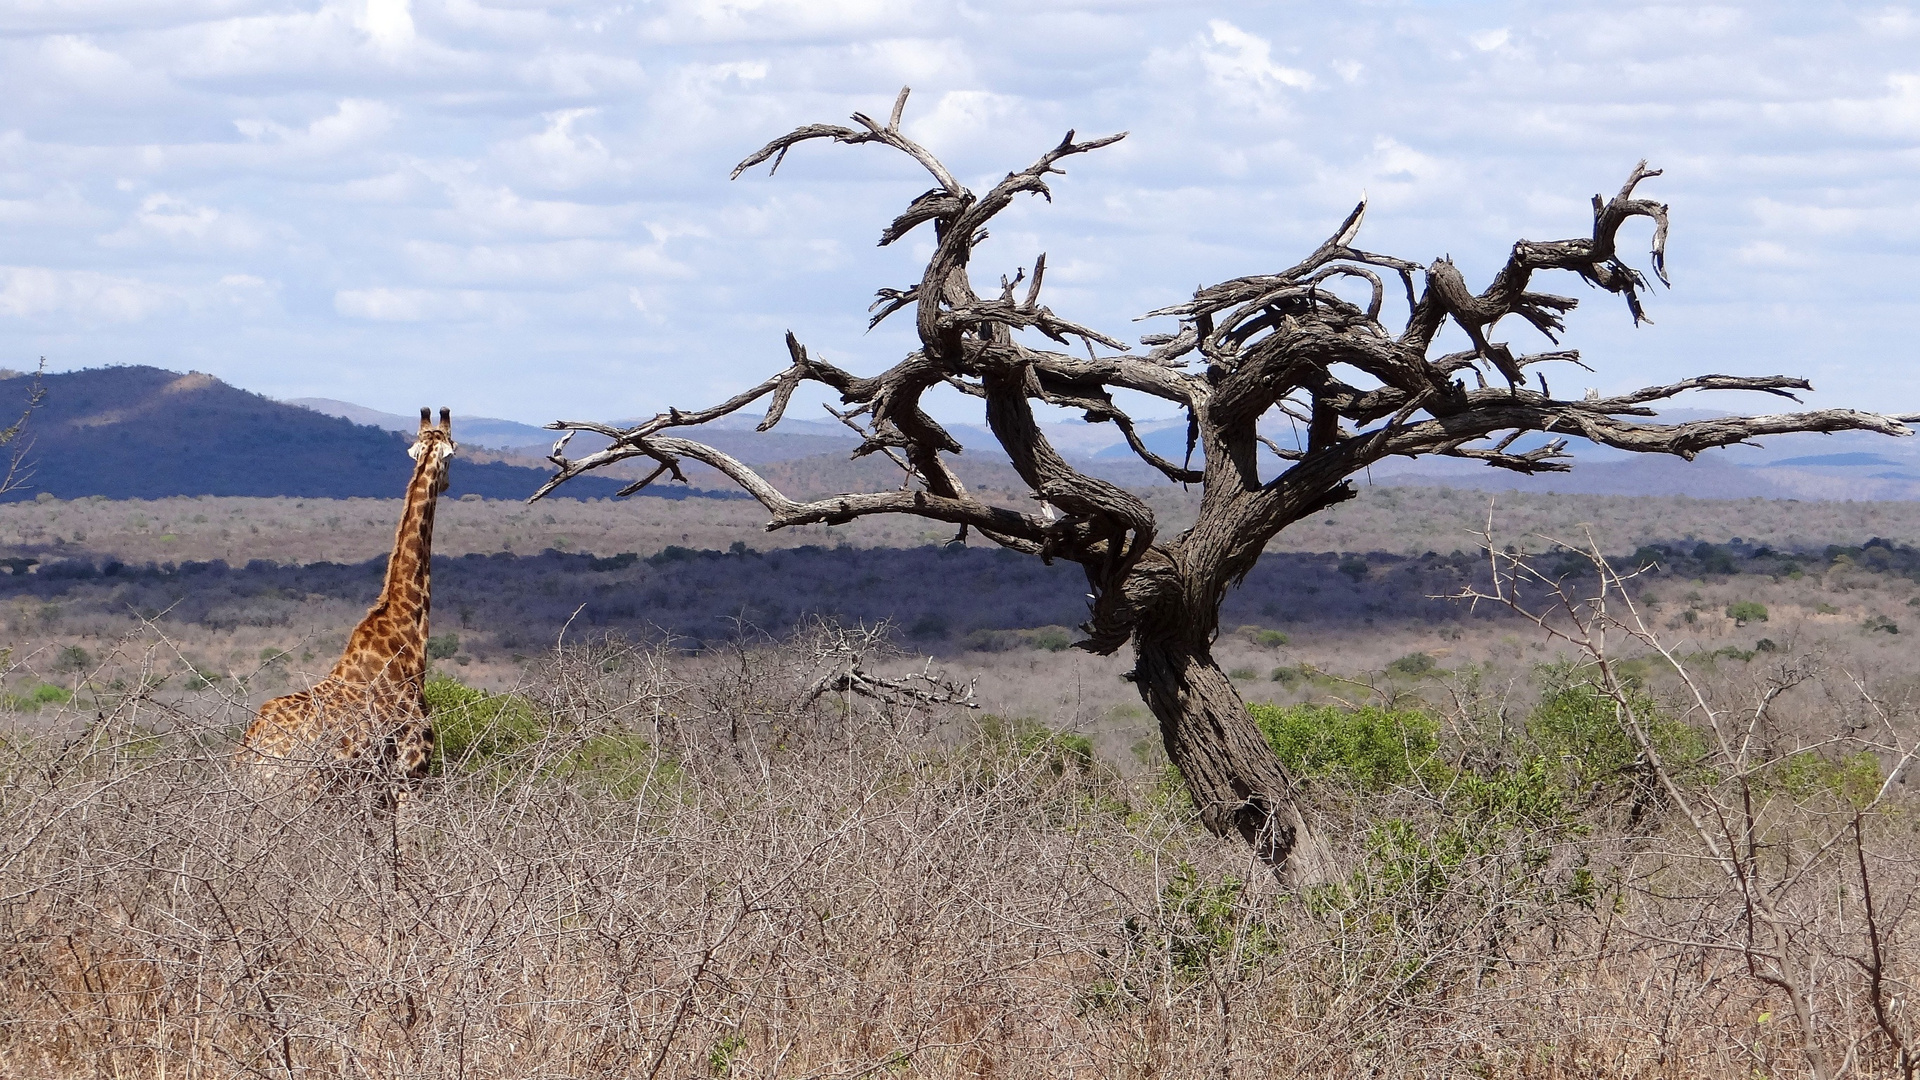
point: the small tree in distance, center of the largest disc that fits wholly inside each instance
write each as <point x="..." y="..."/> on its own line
<point x="1284" y="343"/>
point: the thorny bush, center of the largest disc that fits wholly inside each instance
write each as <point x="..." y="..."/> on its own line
<point x="646" y="862"/>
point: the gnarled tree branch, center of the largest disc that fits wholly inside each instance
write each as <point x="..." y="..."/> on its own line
<point x="1309" y="346"/>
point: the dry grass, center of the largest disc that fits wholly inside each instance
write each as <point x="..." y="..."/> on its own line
<point x="699" y="867"/>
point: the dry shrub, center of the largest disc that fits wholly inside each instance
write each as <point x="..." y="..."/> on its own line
<point x="728" y="864"/>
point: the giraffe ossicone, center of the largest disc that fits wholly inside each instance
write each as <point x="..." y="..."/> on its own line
<point x="367" y="720"/>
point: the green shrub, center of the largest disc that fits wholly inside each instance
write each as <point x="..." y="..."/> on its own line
<point x="1852" y="780"/>
<point x="39" y="697"/>
<point x="1569" y="564"/>
<point x="1527" y="795"/>
<point x="1412" y="664"/>
<point x="471" y="726"/>
<point x="1205" y="925"/>
<point x="1370" y="747"/>
<point x="1746" y="611"/>
<point x="1288" y="675"/>
<point x="1200" y="929"/>
<point x="674" y="553"/>
<point x="1648" y="556"/>
<point x="1715" y="559"/>
<point x="443" y="646"/>
<point x="1577" y="725"/>
<point x="725" y="1049"/>
<point x="1049" y="638"/>
<point x="73" y="658"/>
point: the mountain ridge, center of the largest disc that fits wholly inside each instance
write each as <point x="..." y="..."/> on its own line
<point x="143" y="432"/>
<point x="135" y="431"/>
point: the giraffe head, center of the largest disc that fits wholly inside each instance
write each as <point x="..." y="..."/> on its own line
<point x="433" y="446"/>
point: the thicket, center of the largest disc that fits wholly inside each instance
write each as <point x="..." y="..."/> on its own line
<point x="646" y="862"/>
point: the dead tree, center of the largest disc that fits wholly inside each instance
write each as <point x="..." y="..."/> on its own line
<point x="1287" y="344"/>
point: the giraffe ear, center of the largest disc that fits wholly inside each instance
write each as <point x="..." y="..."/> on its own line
<point x="426" y="419"/>
<point x="446" y="419"/>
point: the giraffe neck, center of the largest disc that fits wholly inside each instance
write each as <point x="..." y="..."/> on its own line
<point x="391" y="642"/>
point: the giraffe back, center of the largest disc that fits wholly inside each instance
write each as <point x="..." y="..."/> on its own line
<point x="342" y="733"/>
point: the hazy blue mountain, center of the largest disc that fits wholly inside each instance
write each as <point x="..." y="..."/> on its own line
<point x="145" y="433"/>
<point x="487" y="431"/>
<point x="142" y="432"/>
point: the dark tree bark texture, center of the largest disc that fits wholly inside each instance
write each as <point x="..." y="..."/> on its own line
<point x="1308" y="342"/>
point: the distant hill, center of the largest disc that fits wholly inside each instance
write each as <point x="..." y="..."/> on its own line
<point x="808" y="458"/>
<point x="793" y="440"/>
<point x="145" y="433"/>
<point x="485" y="431"/>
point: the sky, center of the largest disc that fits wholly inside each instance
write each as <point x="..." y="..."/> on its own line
<point x="522" y="209"/>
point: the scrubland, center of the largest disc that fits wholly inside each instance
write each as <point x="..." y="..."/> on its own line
<point x="657" y="848"/>
<point x="1395" y="520"/>
<point x="645" y="863"/>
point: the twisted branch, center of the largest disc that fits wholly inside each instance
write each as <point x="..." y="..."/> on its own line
<point x="1284" y="344"/>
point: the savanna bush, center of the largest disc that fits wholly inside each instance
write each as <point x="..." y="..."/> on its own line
<point x="646" y="862"/>
<point x="1579" y="729"/>
<point x="474" y="728"/>
<point x="1368" y="748"/>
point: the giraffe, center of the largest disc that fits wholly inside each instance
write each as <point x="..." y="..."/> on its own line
<point x="368" y="719"/>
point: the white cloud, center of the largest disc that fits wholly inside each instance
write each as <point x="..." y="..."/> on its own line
<point x="388" y="22"/>
<point x="532" y="180"/>
<point x="169" y="216"/>
<point x="38" y="292"/>
<point x="65" y="16"/>
<point x="560" y="157"/>
<point x="1243" y="63"/>
<point x="759" y="20"/>
<point x="85" y="66"/>
<point x="577" y="73"/>
<point x="961" y="119"/>
<point x="499" y="211"/>
<point x="415" y="305"/>
<point x="59" y="207"/>
<point x="544" y="264"/>
<point x="1895" y="114"/>
<point x="1766" y="253"/>
<point x="163" y="218"/>
<point x="352" y="121"/>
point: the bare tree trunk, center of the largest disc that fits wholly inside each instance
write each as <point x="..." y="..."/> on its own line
<point x="1239" y="785"/>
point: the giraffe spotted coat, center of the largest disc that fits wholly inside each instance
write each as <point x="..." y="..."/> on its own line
<point x="367" y="720"/>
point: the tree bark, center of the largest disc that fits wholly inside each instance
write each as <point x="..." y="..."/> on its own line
<point x="1236" y="781"/>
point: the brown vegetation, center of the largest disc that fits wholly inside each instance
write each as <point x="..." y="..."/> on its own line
<point x="650" y="864"/>
<point x="652" y="861"/>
